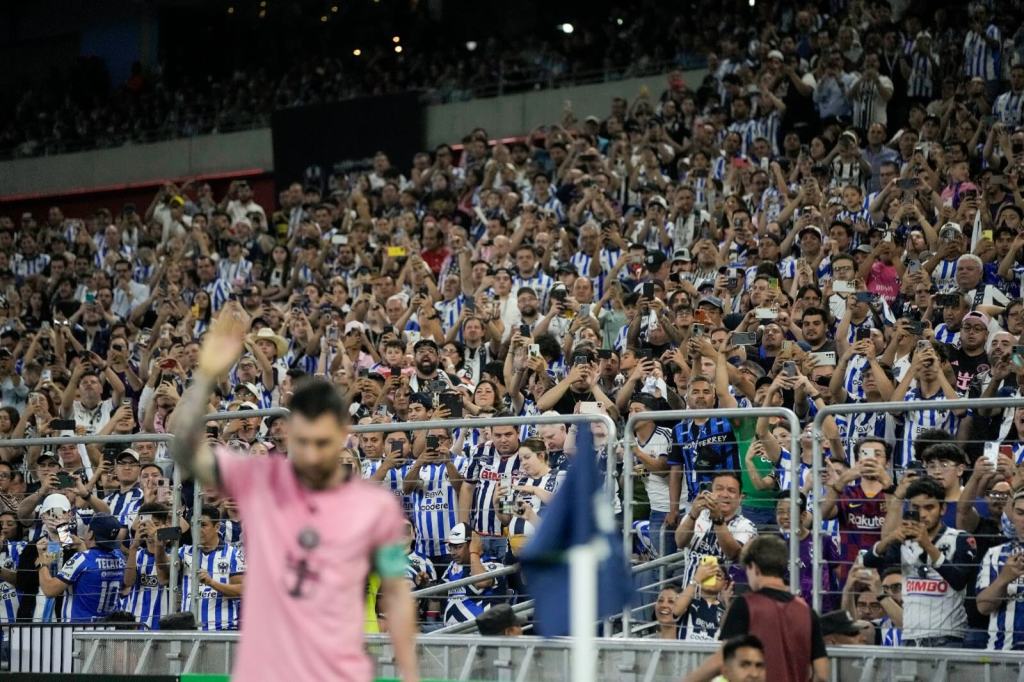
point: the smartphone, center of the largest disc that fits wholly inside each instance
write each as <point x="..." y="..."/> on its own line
<point x="704" y="487"/>
<point x="698" y="330"/>
<point x="824" y="358"/>
<point x="912" y="515"/>
<point x="437" y="386"/>
<point x="913" y="266"/>
<point x="332" y="332"/>
<point x="524" y="330"/>
<point x="743" y="339"/>
<point x="469" y="304"/>
<point x="701" y="315"/>
<point x="709" y="560"/>
<point x="64" y="534"/>
<point x="45" y="376"/>
<point x="62" y="425"/>
<point x="789" y="368"/>
<point x="534" y="350"/>
<point x="397" y="252"/>
<point x="590" y="407"/>
<point x="924" y="344"/>
<point x="580" y="359"/>
<point x="842" y="286"/>
<point x="1018" y="350"/>
<point x="90" y="297"/>
<point x="991" y="452"/>
<point x="584" y="310"/>
<point x="110" y="458"/>
<point x="397" y="445"/>
<point x="907" y="183"/>
<point x="773" y="282"/>
<point x="53" y="547"/>
<point x="171" y="534"/>
<point x="648" y="291"/>
<point x="339" y="239"/>
<point x="765" y="314"/>
<point x="453" y="402"/>
<point x="862" y="334"/>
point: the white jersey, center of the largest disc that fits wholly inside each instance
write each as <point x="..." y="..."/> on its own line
<point x="658" y="445"/>
<point x="705" y="541"/>
<point x="933" y="592"/>
<point x="486" y="471"/>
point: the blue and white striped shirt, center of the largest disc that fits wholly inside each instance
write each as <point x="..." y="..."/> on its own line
<point x="435" y="506"/>
<point x="8" y="595"/>
<point x="147" y="600"/>
<point x="229" y="271"/>
<point x="26" y="267"/>
<point x="1009" y="108"/>
<point x="980" y="59"/>
<point x="1006" y="623"/>
<point x="487" y="470"/>
<point x="916" y="422"/>
<point x="468" y="602"/>
<point x="216" y="612"/>
<point x="125" y="505"/>
<point x="219" y="291"/>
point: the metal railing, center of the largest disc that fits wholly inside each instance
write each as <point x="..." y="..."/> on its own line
<point x="533" y="658"/>
<point x="629" y="437"/>
<point x="876" y="408"/>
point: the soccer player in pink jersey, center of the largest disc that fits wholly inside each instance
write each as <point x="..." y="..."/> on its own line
<point x="313" y="530"/>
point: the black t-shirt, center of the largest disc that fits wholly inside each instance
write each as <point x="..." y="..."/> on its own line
<point x="567" y="403"/>
<point x="737" y="621"/>
<point x="966" y="368"/>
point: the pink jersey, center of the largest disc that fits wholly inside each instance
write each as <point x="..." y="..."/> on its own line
<point x="307" y="557"/>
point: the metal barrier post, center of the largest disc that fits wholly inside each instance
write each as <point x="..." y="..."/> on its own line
<point x="730" y="413"/>
<point x="174" y="587"/>
<point x="193" y="572"/>
<point x="888" y="408"/>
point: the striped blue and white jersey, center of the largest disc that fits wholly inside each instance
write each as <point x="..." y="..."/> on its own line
<point x="230" y="271"/>
<point x="420" y="564"/>
<point x="891" y="635"/>
<point x="1009" y="108"/>
<point x="1006" y="623"/>
<point x="784" y="470"/>
<point x="125" y="505"/>
<point x="147" y="599"/>
<point x="943" y="334"/>
<point x="748" y="130"/>
<point x="94" y="579"/>
<point x="979" y="58"/>
<point x="486" y="471"/>
<point x="219" y="291"/>
<point x="540" y="282"/>
<point x="435" y="506"/>
<point x="944" y="275"/>
<point x="23" y="267"/>
<point x="10" y="553"/>
<point x="855" y="427"/>
<point x="467" y="602"/>
<point x="703" y="449"/>
<point x="393" y="480"/>
<point x="916" y="422"/>
<point x="216" y="612"/>
<point x="923" y="69"/>
<point x="449" y="312"/>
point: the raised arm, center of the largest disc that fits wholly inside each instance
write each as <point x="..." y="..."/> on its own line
<point x="221" y="348"/>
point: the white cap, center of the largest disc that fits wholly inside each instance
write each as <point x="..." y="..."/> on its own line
<point x="55" y="501"/>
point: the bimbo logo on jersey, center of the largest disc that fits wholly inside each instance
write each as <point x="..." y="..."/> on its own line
<point x="920" y="586"/>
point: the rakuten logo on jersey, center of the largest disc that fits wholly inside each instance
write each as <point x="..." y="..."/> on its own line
<point x="920" y="586"/>
<point x="865" y="521"/>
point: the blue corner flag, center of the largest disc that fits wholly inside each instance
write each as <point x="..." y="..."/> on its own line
<point x="580" y="513"/>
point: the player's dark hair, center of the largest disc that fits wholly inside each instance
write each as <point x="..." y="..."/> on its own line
<point x="314" y="398"/>
<point x="157" y="510"/>
<point x="769" y="553"/>
<point x="733" y="645"/>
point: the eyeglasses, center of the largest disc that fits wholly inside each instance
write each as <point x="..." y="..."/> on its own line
<point x="893" y="587"/>
<point x="118" y="348"/>
<point x="4" y="474"/>
<point x="993" y="494"/>
<point x="939" y="464"/>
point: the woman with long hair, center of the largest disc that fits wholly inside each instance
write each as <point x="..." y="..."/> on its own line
<point x="518" y="508"/>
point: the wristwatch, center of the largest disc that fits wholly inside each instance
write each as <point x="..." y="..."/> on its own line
<point x="890" y="490"/>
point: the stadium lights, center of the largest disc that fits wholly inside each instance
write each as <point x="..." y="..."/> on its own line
<point x="334" y="8"/>
<point x="323" y="18"/>
<point x="619" y="21"/>
<point x="470" y="45"/>
<point x="396" y="39"/>
<point x="357" y="52"/>
<point x="263" y="13"/>
<point x="398" y="49"/>
<point x="231" y="9"/>
<point x="566" y="28"/>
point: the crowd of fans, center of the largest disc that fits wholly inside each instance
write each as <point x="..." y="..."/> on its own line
<point x="834" y="219"/>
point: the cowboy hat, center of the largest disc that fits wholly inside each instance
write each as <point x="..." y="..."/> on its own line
<point x="267" y="334"/>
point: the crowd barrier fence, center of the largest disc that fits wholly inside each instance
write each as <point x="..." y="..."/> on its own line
<point x="874" y="408"/>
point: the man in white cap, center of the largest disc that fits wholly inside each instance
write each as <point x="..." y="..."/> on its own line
<point x="57" y="528"/>
<point x="125" y="502"/>
<point x="469" y="601"/>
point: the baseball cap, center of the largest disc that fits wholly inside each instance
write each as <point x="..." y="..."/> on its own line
<point x="459" y="535"/>
<point x="712" y="301"/>
<point x="654" y="260"/>
<point x="839" y="622"/>
<point x="47" y="454"/>
<point x="682" y="254"/>
<point x="566" y="268"/>
<point x="950" y="230"/>
<point x="659" y="200"/>
<point x="810" y="228"/>
<point x="863" y="248"/>
<point x="775" y="54"/>
<point x="55" y="501"/>
<point x="424" y="343"/>
<point x="354" y="325"/>
<point x="251" y="387"/>
<point x="422" y="399"/>
<point x="977" y="315"/>
<point x="105" y="528"/>
<point x="128" y="452"/>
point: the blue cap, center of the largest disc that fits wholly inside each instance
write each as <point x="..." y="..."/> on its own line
<point x="105" y="528"/>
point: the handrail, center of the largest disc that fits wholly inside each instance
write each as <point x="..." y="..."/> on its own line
<point x="727" y="413"/>
<point x="441" y="588"/>
<point x="470" y="625"/>
<point x="126" y="438"/>
<point x="888" y="408"/>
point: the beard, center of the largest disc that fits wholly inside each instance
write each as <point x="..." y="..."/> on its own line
<point x="426" y="367"/>
<point x="528" y="311"/>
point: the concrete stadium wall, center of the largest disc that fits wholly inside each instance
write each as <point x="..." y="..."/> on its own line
<point x="252" y="151"/>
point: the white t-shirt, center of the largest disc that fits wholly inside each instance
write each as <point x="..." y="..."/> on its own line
<point x="658" y="445"/>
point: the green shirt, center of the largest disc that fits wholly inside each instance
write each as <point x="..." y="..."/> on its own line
<point x="752" y="497"/>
